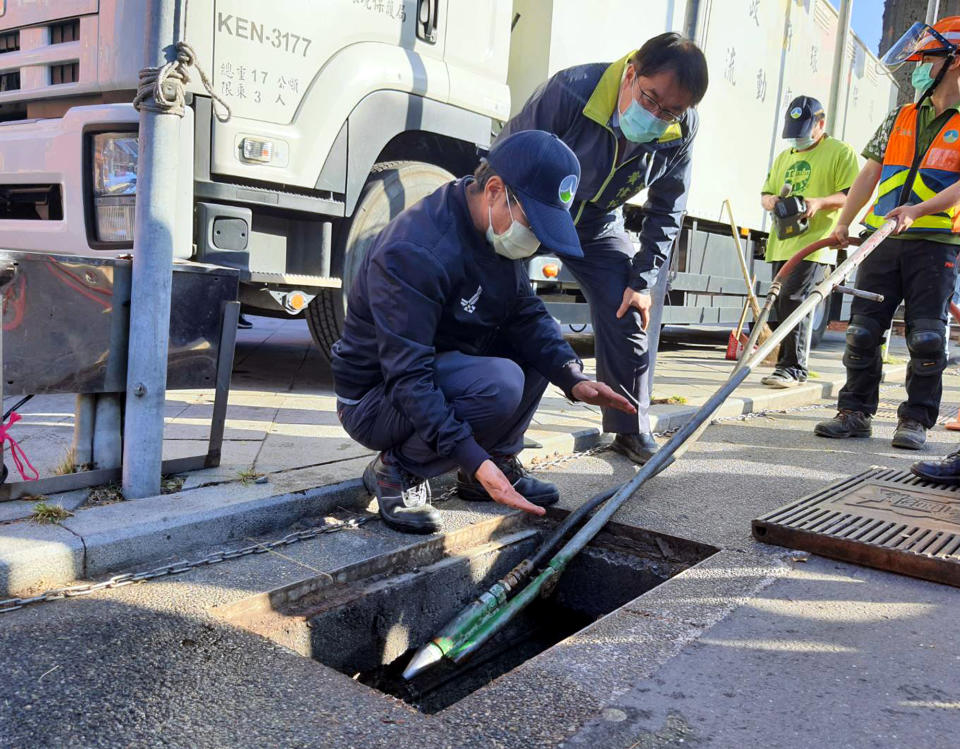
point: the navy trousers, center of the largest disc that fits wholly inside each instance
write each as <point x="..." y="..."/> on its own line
<point x="621" y="345"/>
<point x="494" y="395"/>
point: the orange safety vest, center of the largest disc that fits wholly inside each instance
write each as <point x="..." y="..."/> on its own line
<point x="938" y="169"/>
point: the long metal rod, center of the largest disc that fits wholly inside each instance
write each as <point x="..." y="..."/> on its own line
<point x="496" y="615"/>
<point x="228" y="343"/>
<point x="500" y="617"/>
<point x="152" y="277"/>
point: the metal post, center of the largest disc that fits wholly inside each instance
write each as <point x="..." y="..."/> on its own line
<point x="152" y="277"/>
<point x="933" y="10"/>
<point x="83" y="424"/>
<point x="839" y="68"/>
<point x="107" y="431"/>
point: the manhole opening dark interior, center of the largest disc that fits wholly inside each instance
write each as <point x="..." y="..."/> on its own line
<point x="367" y="621"/>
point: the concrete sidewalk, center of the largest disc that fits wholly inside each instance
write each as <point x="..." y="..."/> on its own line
<point x="285" y="456"/>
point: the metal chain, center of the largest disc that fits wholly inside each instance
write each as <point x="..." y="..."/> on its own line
<point x="176" y="568"/>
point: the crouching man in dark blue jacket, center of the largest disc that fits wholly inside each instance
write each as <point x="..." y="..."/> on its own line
<point x="446" y="351"/>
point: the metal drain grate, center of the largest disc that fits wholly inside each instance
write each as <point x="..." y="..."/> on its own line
<point x="881" y="518"/>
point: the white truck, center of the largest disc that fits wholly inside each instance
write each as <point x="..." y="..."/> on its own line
<point x="344" y="112"/>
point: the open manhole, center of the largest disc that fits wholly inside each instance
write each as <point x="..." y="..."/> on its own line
<point x="366" y="620"/>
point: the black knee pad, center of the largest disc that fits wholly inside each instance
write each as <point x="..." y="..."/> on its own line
<point x="926" y="341"/>
<point x="863" y="343"/>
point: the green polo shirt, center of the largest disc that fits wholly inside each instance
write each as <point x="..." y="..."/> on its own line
<point x="826" y="169"/>
<point x="930" y="124"/>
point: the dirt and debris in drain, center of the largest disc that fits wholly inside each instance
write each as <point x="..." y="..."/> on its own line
<point x="540" y="627"/>
<point x="367" y="619"/>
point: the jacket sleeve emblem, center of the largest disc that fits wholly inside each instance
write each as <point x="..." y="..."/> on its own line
<point x="470" y="305"/>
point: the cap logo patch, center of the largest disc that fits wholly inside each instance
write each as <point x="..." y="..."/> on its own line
<point x="796" y="112"/>
<point x="568" y="188"/>
<point x="951" y="136"/>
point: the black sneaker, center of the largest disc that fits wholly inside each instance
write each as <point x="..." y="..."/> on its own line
<point x="845" y="424"/>
<point x="910" y="435"/>
<point x="243" y="323"/>
<point x="404" y="499"/>
<point x="945" y="471"/>
<point x="638" y="447"/>
<point x="535" y="491"/>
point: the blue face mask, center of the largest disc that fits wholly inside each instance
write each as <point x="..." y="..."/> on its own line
<point x="639" y="125"/>
<point x="921" y="78"/>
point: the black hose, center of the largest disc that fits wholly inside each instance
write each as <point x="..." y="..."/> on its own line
<point x="15" y="406"/>
<point x="568" y="523"/>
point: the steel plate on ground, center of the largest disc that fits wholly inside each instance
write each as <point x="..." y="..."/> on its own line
<point x="880" y="518"/>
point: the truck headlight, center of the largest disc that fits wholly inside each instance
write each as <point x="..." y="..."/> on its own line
<point x="115" y="185"/>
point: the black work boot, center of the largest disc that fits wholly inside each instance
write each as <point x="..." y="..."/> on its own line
<point x="945" y="471"/>
<point x="910" y="435"/>
<point x="404" y="499"/>
<point x="845" y="424"/>
<point x="638" y="447"/>
<point x="535" y="491"/>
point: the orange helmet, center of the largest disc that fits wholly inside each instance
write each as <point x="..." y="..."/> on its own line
<point x="943" y="38"/>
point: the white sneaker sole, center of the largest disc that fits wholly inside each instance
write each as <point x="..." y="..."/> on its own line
<point x="782" y="384"/>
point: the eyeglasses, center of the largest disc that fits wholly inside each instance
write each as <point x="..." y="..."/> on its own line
<point x="512" y="198"/>
<point x="653" y="106"/>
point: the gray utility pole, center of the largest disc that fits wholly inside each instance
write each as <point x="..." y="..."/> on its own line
<point x="152" y="276"/>
<point x="840" y="69"/>
<point x="933" y="9"/>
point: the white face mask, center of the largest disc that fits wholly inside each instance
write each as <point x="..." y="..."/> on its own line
<point x="517" y="242"/>
<point x="802" y="144"/>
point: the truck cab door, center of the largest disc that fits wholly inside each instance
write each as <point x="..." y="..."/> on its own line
<point x="292" y="71"/>
<point x="477" y="55"/>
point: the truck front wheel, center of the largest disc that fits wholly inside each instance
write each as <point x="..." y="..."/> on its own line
<point x="392" y="187"/>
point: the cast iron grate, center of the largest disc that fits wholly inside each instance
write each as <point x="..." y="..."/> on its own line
<point x="882" y="518"/>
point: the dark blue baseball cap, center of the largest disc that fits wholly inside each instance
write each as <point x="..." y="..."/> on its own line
<point x="801" y="115"/>
<point x="543" y="173"/>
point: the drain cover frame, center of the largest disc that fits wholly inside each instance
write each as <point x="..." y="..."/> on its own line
<point x="883" y="518"/>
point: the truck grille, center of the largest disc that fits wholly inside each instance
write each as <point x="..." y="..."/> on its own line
<point x="31" y="202"/>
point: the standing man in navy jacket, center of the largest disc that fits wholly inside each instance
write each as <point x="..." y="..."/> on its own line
<point x="631" y="125"/>
<point x="446" y="351"/>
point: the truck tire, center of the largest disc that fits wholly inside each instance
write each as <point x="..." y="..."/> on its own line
<point x="392" y="187"/>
